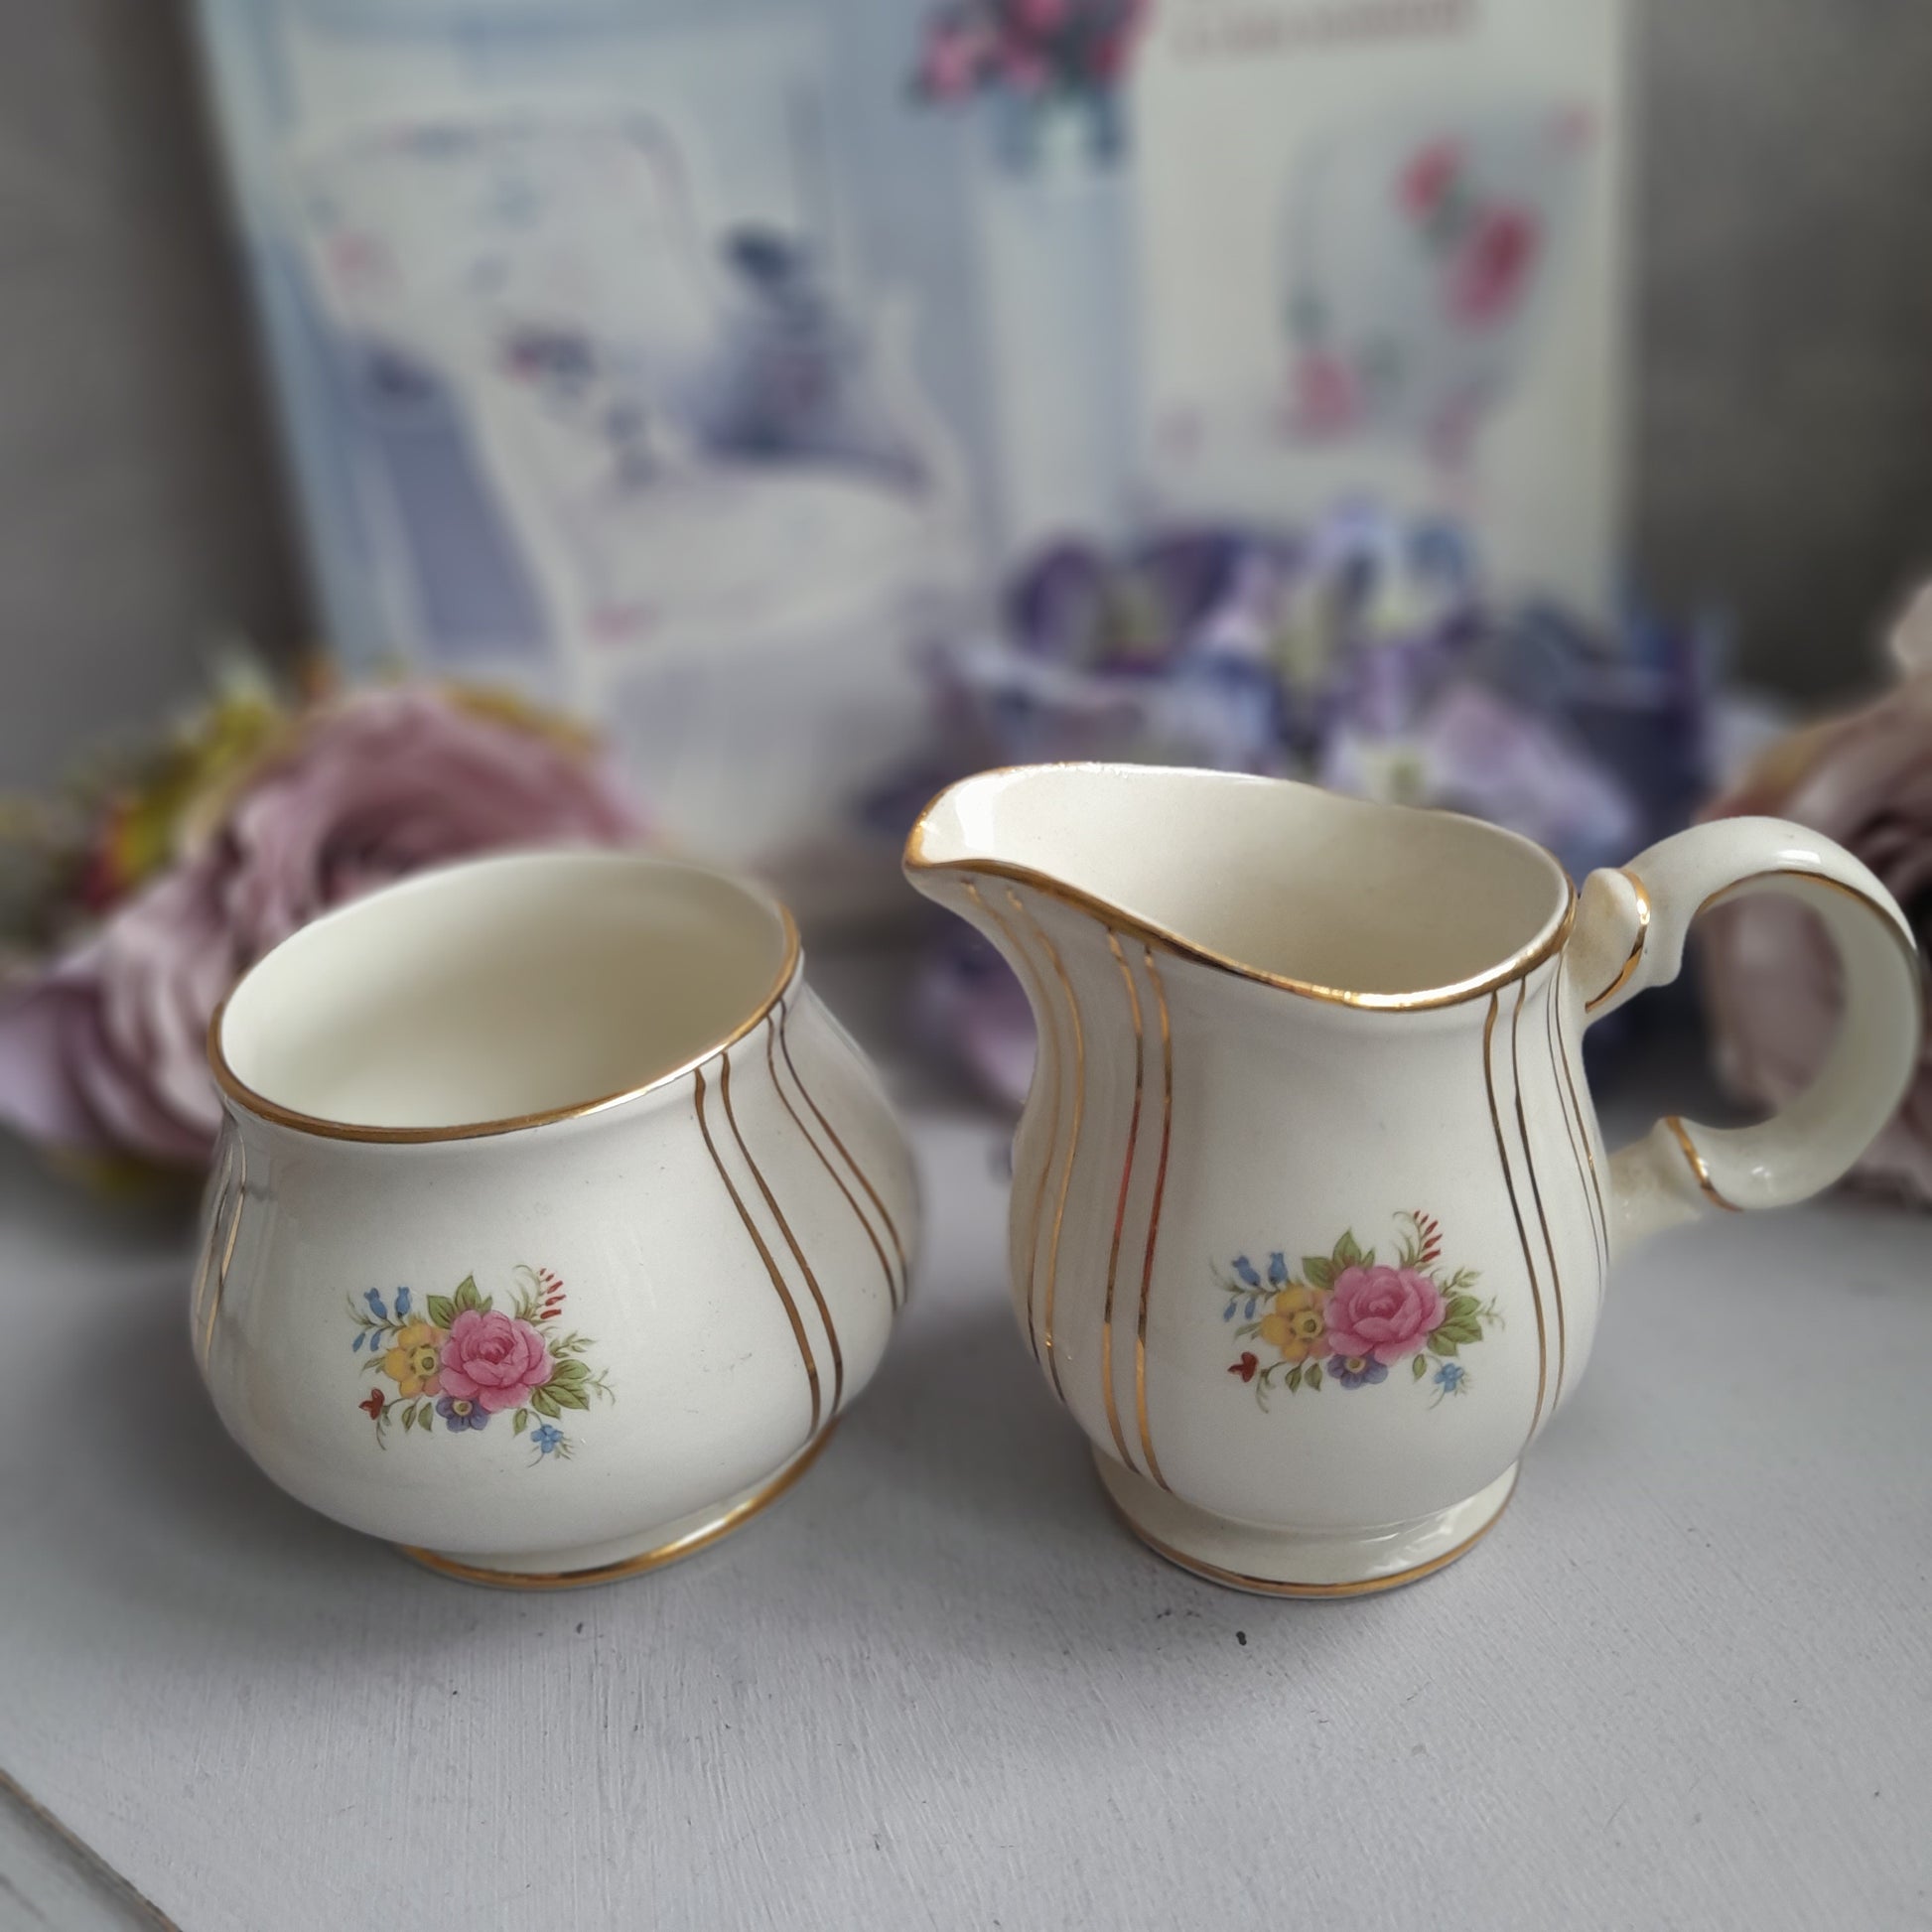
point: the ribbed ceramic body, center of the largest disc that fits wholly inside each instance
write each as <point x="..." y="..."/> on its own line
<point x="723" y="1255"/>
<point x="1189" y="1127"/>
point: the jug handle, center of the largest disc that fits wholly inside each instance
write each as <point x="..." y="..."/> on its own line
<point x="1629" y="935"/>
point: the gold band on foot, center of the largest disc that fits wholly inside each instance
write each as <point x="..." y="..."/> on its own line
<point x="1213" y="1573"/>
<point x="689" y="1544"/>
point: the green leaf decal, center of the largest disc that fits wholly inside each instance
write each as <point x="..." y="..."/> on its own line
<point x="1441" y="1345"/>
<point x="1319" y="1271"/>
<point x="519" y="1422"/>
<point x="571" y="1372"/>
<point x="545" y="1401"/>
<point x="465" y="1296"/>
<point x="565" y="1393"/>
<point x="1314" y="1375"/>
<point x="1347" y="1253"/>
<point x="1418" y="1367"/>
<point x="1295" y="1378"/>
<point x="442" y="1310"/>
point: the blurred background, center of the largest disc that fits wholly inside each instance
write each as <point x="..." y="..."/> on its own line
<point x="1513" y="406"/>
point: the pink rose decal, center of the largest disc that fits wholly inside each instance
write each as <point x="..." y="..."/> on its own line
<point x="494" y="1361"/>
<point x="1337" y="1321"/>
<point x="1384" y="1313"/>
<point x="1490" y="268"/>
<point x="457" y="1359"/>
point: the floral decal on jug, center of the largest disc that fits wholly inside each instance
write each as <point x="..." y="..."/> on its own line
<point x="461" y="1360"/>
<point x="1346" y="1318"/>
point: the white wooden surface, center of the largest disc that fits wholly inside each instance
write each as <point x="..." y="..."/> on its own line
<point x="1686" y="1683"/>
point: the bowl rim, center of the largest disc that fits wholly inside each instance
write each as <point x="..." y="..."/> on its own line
<point x="250" y="1101"/>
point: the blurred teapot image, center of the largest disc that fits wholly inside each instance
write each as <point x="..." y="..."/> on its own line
<point x="1311" y="1212"/>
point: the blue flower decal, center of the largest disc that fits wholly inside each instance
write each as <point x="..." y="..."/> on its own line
<point x="402" y="1303"/>
<point x="1246" y="1270"/>
<point x="375" y="1304"/>
<point x="1353" y="1371"/>
<point x="1278" y="1270"/>
<point x="546" y="1437"/>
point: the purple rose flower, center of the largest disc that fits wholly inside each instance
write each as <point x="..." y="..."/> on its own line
<point x="101" y="1052"/>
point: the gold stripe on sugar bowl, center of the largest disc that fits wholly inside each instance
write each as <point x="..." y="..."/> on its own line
<point x="845" y="1154"/>
<point x="893" y="1292"/>
<point x="790" y="1239"/>
<point x="687" y="1545"/>
<point x="764" y="1254"/>
<point x="231" y="1198"/>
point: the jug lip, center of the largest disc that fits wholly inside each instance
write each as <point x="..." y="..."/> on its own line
<point x="322" y="1127"/>
<point x="1524" y="960"/>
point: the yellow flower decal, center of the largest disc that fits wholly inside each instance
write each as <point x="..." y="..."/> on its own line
<point x="1296" y="1323"/>
<point x="412" y="1364"/>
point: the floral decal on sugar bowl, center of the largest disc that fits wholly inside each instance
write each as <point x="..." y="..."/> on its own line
<point x="461" y="1361"/>
<point x="1347" y="1318"/>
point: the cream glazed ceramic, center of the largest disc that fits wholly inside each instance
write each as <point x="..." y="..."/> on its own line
<point x="554" y="1220"/>
<point x="1311" y="1213"/>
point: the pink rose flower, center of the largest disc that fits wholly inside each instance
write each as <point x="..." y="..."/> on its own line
<point x="1488" y="274"/>
<point x="1427" y="178"/>
<point x="1384" y="1313"/>
<point x="1770" y="976"/>
<point x="494" y="1361"/>
<point x="103" y="1051"/>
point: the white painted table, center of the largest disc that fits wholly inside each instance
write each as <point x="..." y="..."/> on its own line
<point x="1686" y="1683"/>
